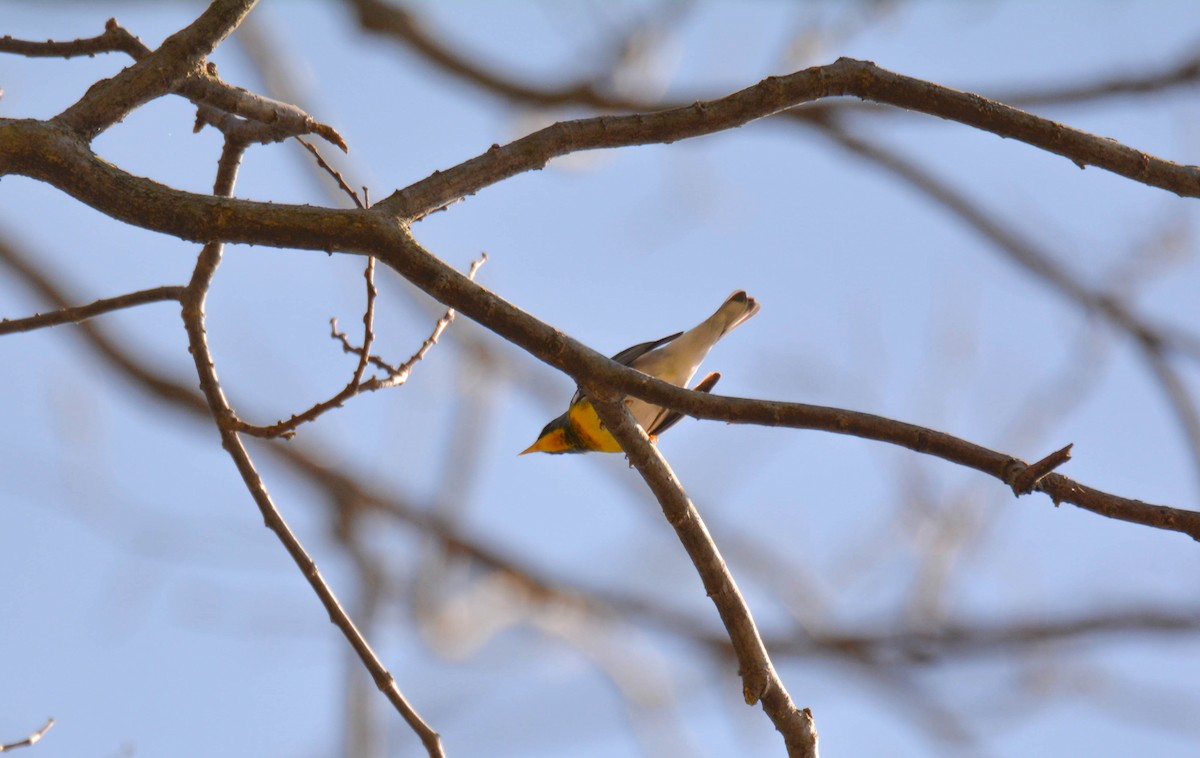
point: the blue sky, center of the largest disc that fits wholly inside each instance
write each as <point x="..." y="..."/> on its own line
<point x="150" y="613"/>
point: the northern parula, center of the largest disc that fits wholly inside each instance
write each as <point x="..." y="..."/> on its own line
<point x="673" y="359"/>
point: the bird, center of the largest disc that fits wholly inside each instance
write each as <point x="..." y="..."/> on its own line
<point x="673" y="359"/>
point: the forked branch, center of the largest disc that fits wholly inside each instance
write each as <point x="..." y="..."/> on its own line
<point x="194" y="299"/>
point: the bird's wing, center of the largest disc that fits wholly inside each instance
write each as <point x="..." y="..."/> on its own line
<point x="631" y="354"/>
<point x="667" y="419"/>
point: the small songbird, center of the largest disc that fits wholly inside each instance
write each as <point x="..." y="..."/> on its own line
<point x="673" y="359"/>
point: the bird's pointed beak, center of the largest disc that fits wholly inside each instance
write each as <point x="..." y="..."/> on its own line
<point x="552" y="440"/>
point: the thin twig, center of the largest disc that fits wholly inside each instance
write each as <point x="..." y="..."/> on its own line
<point x="337" y="175"/>
<point x="277" y="70"/>
<point x="222" y="413"/>
<point x="368" y="320"/>
<point x="114" y="39"/>
<point x="80" y="313"/>
<point x="395" y="375"/>
<point x="349" y="347"/>
<point x="30" y="740"/>
<point x="404" y="370"/>
<point x="368" y="274"/>
<point x="1027" y="477"/>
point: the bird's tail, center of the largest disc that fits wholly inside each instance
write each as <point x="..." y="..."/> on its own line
<point x="737" y="308"/>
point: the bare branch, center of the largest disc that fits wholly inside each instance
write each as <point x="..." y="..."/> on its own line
<point x="42" y="284"/>
<point x="27" y="146"/>
<point x="1155" y="340"/>
<point x="201" y="217"/>
<point x="1182" y="73"/>
<point x="869" y="82"/>
<point x="278" y="70"/>
<point x="24" y="145"/>
<point x="271" y="120"/>
<point x="402" y="372"/>
<point x="760" y="682"/>
<point x="84" y="312"/>
<point x="396" y="375"/>
<point x="348" y="347"/>
<point x="114" y="39"/>
<point x="775" y="94"/>
<point x="368" y="320"/>
<point x="337" y="175"/>
<point x="193" y="319"/>
<point x="181" y="54"/>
